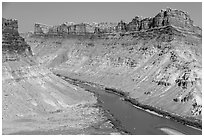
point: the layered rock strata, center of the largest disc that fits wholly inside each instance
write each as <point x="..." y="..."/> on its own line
<point x="167" y="17"/>
<point x="13" y="45"/>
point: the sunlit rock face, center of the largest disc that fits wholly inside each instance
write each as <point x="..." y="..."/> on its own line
<point x="159" y="64"/>
<point x="64" y="29"/>
<point x="165" y="17"/>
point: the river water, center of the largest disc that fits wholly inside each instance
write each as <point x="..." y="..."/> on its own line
<point x="137" y="121"/>
<point x="130" y="119"/>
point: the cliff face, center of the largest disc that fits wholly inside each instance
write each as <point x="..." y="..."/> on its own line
<point x="167" y="17"/>
<point x="41" y="29"/>
<point x="13" y="45"/>
<point x="9" y="26"/>
<point x="64" y="29"/>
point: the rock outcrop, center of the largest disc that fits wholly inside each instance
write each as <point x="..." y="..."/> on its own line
<point x="13" y="45"/>
<point x="167" y="17"/>
<point x="121" y="27"/>
<point x="105" y="27"/>
<point x="41" y="28"/>
<point x="135" y="24"/>
<point x="64" y="29"/>
<point x="9" y="26"/>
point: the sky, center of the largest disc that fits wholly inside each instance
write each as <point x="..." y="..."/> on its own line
<point x="55" y="13"/>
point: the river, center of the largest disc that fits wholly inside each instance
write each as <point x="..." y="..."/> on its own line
<point x="128" y="118"/>
<point x="134" y="120"/>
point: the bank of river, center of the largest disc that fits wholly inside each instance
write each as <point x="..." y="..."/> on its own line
<point x="132" y="117"/>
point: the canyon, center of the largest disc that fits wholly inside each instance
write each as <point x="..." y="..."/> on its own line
<point x="154" y="63"/>
<point x="165" y="17"/>
<point x="34" y="99"/>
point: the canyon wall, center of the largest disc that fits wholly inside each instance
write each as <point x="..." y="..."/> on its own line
<point x="9" y="26"/>
<point x="167" y="17"/>
<point x="13" y="45"/>
<point x="164" y="18"/>
<point x="80" y="29"/>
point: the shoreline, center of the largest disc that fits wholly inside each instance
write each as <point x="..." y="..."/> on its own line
<point x="115" y="123"/>
<point x="194" y="123"/>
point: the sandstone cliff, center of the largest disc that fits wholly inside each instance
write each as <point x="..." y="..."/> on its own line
<point x="167" y="17"/>
<point x="64" y="29"/>
<point x="13" y="45"/>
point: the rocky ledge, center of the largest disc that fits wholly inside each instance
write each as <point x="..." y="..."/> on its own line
<point x="13" y="45"/>
<point x="167" y="17"/>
